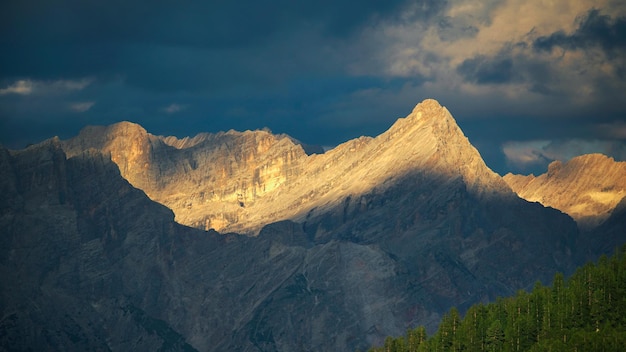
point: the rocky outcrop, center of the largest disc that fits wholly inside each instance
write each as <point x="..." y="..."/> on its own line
<point x="587" y="187"/>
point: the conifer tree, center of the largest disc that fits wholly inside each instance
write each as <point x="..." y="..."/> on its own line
<point x="586" y="312"/>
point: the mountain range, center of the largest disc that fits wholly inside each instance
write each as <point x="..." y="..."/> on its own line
<point x="117" y="239"/>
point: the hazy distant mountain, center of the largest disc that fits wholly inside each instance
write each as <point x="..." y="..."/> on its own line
<point x="587" y="187"/>
<point x="591" y="189"/>
<point x="353" y="245"/>
<point x="610" y="234"/>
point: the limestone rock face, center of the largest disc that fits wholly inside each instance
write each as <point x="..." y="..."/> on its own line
<point x="93" y="264"/>
<point x="209" y="181"/>
<point x="587" y="187"/>
<point x="242" y="181"/>
<point x="127" y="144"/>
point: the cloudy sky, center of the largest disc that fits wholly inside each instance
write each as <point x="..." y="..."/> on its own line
<point x="528" y="81"/>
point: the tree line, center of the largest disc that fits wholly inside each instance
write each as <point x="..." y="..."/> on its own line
<point x="586" y="312"/>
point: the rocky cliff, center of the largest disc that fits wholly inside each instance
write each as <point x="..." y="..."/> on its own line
<point x="587" y="187"/>
<point x="383" y="233"/>
<point x="209" y="181"/>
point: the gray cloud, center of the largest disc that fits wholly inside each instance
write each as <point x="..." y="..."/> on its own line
<point x="535" y="156"/>
<point x="482" y="70"/>
<point x="594" y="30"/>
<point x="70" y="36"/>
<point x="451" y="29"/>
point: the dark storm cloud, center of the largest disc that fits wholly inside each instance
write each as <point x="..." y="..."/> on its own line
<point x="594" y="30"/>
<point x="79" y="37"/>
<point x="482" y="69"/>
<point x="514" y="63"/>
<point x="190" y="23"/>
<point x="321" y="71"/>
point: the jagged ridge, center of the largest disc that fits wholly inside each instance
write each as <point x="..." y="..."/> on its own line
<point x="241" y="181"/>
<point x="587" y="187"/>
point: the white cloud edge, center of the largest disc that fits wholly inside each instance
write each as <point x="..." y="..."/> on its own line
<point x="21" y="87"/>
<point x="174" y="108"/>
<point x="31" y="86"/>
<point x="81" y="106"/>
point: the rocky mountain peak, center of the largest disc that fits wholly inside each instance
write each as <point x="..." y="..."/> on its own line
<point x="128" y="144"/>
<point x="385" y="233"/>
<point x="587" y="187"/>
<point x="241" y="181"/>
<point x="427" y="105"/>
<point x="443" y="126"/>
<point x="453" y="150"/>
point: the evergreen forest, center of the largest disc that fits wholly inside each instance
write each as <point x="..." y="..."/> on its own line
<point x="586" y="312"/>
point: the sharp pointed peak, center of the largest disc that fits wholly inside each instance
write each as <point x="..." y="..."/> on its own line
<point x="437" y="119"/>
<point x="428" y="104"/>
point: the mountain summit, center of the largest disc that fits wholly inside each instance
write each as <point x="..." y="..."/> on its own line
<point x="241" y="181"/>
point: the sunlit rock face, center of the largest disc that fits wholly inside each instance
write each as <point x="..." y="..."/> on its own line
<point x="241" y="181"/>
<point x="588" y="188"/>
<point x="210" y="181"/>
<point x="127" y="144"/>
<point x="381" y="234"/>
